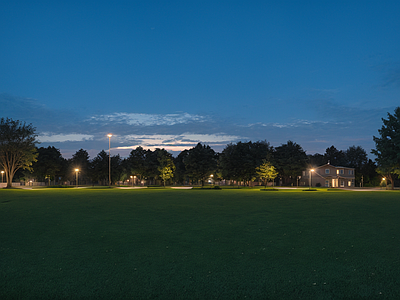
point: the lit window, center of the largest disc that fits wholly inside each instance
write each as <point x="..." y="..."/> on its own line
<point x="349" y="183"/>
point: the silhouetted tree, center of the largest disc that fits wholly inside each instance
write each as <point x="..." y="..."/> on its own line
<point x="387" y="146"/>
<point x="50" y="164"/>
<point x="180" y="171"/>
<point x="80" y="160"/>
<point x="315" y="160"/>
<point x="200" y="162"/>
<point x="136" y="162"/>
<point x="239" y="161"/>
<point x="291" y="160"/>
<point x="356" y="157"/>
<point x="335" y="157"/>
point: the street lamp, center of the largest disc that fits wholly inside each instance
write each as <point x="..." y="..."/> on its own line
<point x="77" y="172"/>
<point x="132" y="180"/>
<point x="312" y="170"/>
<point x="109" y="158"/>
<point x="2" y="175"/>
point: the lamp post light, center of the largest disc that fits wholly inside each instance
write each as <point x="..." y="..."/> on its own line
<point x="312" y="170"/>
<point x="77" y="172"/>
<point x="384" y="181"/>
<point x="109" y="158"/>
<point x="132" y="180"/>
<point x="2" y="175"/>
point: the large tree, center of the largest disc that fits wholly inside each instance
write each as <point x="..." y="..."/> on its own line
<point x="387" y="146"/>
<point x="80" y="160"/>
<point x="49" y="164"/>
<point x="200" y="162"/>
<point x="180" y="175"/>
<point x="136" y="162"/>
<point x="335" y="157"/>
<point x="100" y="168"/>
<point x="151" y="164"/>
<point x="356" y="157"/>
<point x="291" y="160"/>
<point x="239" y="161"/>
<point x="17" y="147"/>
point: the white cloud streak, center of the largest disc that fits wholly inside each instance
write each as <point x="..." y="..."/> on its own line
<point x="137" y="119"/>
<point x="47" y="137"/>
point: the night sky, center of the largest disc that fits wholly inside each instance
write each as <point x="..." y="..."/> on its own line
<point x="170" y="74"/>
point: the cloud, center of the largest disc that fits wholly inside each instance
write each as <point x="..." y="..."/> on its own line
<point x="177" y="142"/>
<point x="331" y="124"/>
<point x="138" y="119"/>
<point x="47" y="137"/>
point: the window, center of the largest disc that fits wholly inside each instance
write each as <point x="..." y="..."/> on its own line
<point x="349" y="183"/>
<point x="304" y="173"/>
<point x="327" y="171"/>
<point x="351" y="172"/>
<point x="341" y="183"/>
<point x="326" y="183"/>
<point x="341" y="171"/>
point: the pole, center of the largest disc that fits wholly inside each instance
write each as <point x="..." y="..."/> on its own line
<point x="77" y="172"/>
<point x="109" y="159"/>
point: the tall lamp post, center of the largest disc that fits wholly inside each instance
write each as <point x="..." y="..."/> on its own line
<point x="312" y="170"/>
<point x="109" y="158"/>
<point x="2" y="175"/>
<point x="77" y="172"/>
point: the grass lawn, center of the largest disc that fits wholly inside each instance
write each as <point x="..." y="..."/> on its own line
<point x="199" y="244"/>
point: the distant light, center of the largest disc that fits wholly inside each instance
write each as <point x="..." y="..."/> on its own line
<point x="109" y="135"/>
<point x="76" y="170"/>
<point x="312" y="170"/>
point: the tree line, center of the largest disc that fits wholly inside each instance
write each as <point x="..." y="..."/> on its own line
<point x="243" y="162"/>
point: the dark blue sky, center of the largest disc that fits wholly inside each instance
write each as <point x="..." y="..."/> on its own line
<point x="173" y="73"/>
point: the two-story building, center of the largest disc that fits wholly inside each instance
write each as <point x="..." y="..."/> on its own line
<point x="328" y="176"/>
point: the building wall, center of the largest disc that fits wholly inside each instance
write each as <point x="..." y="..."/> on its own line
<point x="329" y="176"/>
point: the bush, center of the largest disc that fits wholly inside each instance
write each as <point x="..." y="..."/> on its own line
<point x="59" y="186"/>
<point x="318" y="185"/>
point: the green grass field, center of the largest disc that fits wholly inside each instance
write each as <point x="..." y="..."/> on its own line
<point x="199" y="244"/>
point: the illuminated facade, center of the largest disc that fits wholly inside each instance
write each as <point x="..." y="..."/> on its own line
<point x="329" y="176"/>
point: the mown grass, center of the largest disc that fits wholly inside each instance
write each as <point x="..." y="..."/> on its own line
<point x="188" y="244"/>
